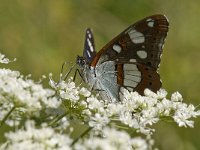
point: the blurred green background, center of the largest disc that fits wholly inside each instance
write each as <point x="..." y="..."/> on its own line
<point x="42" y="34"/>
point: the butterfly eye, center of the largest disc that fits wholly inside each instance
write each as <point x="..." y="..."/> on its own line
<point x="80" y="61"/>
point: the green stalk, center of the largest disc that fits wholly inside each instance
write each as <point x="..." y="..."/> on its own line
<point x="7" y="115"/>
<point x="57" y="119"/>
<point x="82" y="135"/>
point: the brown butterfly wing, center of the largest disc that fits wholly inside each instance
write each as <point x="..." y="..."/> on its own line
<point x="137" y="51"/>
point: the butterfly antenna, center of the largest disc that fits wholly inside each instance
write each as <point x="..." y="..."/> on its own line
<point x="67" y="74"/>
<point x="61" y="72"/>
<point x="69" y="71"/>
<point x="62" y="68"/>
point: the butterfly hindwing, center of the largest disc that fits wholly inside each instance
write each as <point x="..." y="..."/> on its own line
<point x="137" y="77"/>
<point x="89" y="46"/>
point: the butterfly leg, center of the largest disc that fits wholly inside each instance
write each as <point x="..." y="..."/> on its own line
<point x="74" y="78"/>
<point x="98" y="90"/>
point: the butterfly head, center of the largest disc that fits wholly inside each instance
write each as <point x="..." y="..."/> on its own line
<point x="80" y="61"/>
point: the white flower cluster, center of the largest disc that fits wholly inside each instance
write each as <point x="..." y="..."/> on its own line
<point x="31" y="138"/>
<point x="41" y="138"/>
<point x="141" y="111"/>
<point x="24" y="91"/>
<point x="68" y="90"/>
<point x="23" y="96"/>
<point x="113" y="140"/>
<point x="136" y="111"/>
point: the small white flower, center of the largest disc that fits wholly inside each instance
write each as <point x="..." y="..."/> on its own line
<point x="68" y="91"/>
<point x="162" y="93"/>
<point x="4" y="60"/>
<point x="112" y="136"/>
<point x="94" y="103"/>
<point x="99" y="121"/>
<point x="114" y="109"/>
<point x="127" y="118"/>
<point x="94" y="143"/>
<point x="165" y="107"/>
<point x="149" y="93"/>
<point x="83" y="103"/>
<point x="87" y="112"/>
<point x="183" y="113"/>
<point x="149" y="116"/>
<point x="132" y="101"/>
<point x="176" y="97"/>
<point x="139" y="144"/>
<point x="145" y="130"/>
<point x="83" y="91"/>
<point x="52" y="83"/>
<point x="63" y="124"/>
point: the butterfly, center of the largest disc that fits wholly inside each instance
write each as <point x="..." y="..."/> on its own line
<point x="129" y="61"/>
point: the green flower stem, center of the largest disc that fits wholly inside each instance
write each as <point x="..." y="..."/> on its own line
<point x="7" y="115"/>
<point x="82" y="135"/>
<point x="57" y="119"/>
<point x="122" y="127"/>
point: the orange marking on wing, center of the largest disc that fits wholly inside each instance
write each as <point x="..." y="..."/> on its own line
<point x="120" y="74"/>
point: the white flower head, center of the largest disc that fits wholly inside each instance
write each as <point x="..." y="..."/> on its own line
<point x="25" y="95"/>
<point x="98" y="121"/>
<point x="183" y="113"/>
<point x="114" y="109"/>
<point x="113" y="139"/>
<point x="4" y="60"/>
<point x="127" y="118"/>
<point x="162" y="93"/>
<point x="52" y="83"/>
<point x="139" y="144"/>
<point x="176" y="97"/>
<point x="94" y="103"/>
<point x="149" y="93"/>
<point x="68" y="90"/>
<point x="132" y="100"/>
<point x="37" y="138"/>
<point x="83" y="91"/>
<point x="165" y="107"/>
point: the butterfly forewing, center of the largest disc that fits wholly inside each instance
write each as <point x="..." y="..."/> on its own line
<point x="147" y="39"/>
<point x="137" y="51"/>
<point x="89" y="47"/>
<point x="141" y="42"/>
